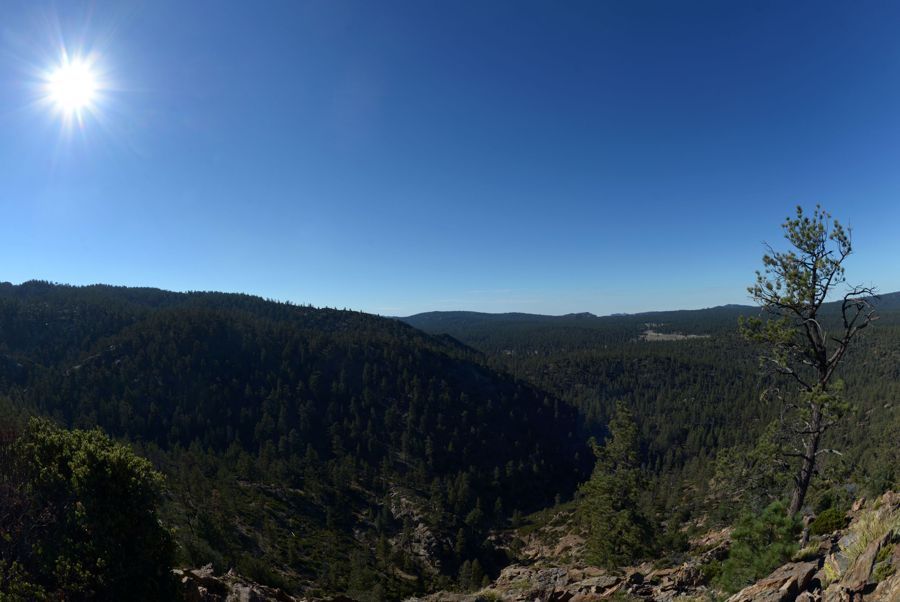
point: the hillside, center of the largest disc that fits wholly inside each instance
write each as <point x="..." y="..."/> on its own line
<point x="857" y="558"/>
<point x="315" y="449"/>
<point x="524" y="333"/>
<point x="703" y="432"/>
<point x="533" y="333"/>
<point x="323" y="451"/>
<point x="692" y="397"/>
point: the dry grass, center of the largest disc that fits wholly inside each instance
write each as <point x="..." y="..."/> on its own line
<point x="808" y="553"/>
<point x="871" y="526"/>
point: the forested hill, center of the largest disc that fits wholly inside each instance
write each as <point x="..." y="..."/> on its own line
<point x="334" y="451"/>
<point x="511" y="332"/>
<point x="692" y="381"/>
<point x="533" y="332"/>
<point x="308" y="447"/>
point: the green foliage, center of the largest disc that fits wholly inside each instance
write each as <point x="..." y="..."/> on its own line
<point x="711" y="571"/>
<point x="882" y="571"/>
<point x="883" y="566"/>
<point x="488" y="595"/>
<point x="830" y="574"/>
<point x="804" y="274"/>
<point x="16" y="585"/>
<point x="869" y="527"/>
<point x="286" y="431"/>
<point x="809" y="552"/>
<point x="800" y="345"/>
<point x="760" y="543"/>
<point x="828" y="521"/>
<point x="748" y="480"/>
<point x="698" y="398"/>
<point x="471" y="576"/>
<point x="672" y="540"/>
<point x="618" y="531"/>
<point x="84" y="519"/>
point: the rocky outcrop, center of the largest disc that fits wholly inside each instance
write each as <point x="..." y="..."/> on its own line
<point x="861" y="564"/>
<point x="420" y="542"/>
<point x="518" y="583"/>
<point x="858" y="564"/>
<point x="888" y="590"/>
<point x="202" y="585"/>
<point x="783" y="585"/>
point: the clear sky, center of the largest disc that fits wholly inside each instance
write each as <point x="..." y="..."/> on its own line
<point x="399" y="157"/>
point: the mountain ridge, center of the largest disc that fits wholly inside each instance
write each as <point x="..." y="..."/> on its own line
<point x="382" y="445"/>
<point x="890" y="301"/>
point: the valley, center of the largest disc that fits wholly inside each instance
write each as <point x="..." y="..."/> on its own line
<point x="321" y="451"/>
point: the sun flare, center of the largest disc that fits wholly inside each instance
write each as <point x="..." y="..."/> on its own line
<point x="72" y="87"/>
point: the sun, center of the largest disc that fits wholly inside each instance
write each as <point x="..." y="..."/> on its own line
<point x="72" y="87"/>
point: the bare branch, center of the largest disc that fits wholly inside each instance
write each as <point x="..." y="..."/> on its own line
<point x="829" y="451"/>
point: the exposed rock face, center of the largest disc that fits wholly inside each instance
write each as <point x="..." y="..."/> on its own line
<point x="421" y="542"/>
<point x="855" y="571"/>
<point x="784" y="585"/>
<point x="860" y="573"/>
<point x="841" y="569"/>
<point x="888" y="590"/>
<point x="518" y="583"/>
<point x="202" y="585"/>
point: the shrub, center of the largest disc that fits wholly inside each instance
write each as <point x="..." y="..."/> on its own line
<point x="883" y="570"/>
<point x="883" y="566"/>
<point x="760" y="543"/>
<point x="808" y="553"/>
<point x="711" y="571"/>
<point x="86" y="525"/>
<point x="871" y="526"/>
<point x="488" y="595"/>
<point x="828" y="521"/>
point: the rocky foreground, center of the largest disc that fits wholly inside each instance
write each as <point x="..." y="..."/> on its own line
<point x="203" y="585"/>
<point x="858" y="564"/>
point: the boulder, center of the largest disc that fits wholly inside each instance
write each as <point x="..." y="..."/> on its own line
<point x="891" y="500"/>
<point x="887" y="591"/>
<point x="860" y="573"/>
<point x="836" y="593"/>
<point x="202" y="585"/>
<point x="595" y="585"/>
<point x="783" y="585"/>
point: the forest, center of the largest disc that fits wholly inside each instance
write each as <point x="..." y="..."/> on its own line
<point x="305" y="447"/>
<point x="325" y="451"/>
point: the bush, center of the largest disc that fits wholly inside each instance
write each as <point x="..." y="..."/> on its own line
<point x="883" y="567"/>
<point x="759" y="545"/>
<point x="828" y="521"/>
<point x="711" y="571"/>
<point x="85" y="525"/>
<point x="488" y="595"/>
<point x="810" y="552"/>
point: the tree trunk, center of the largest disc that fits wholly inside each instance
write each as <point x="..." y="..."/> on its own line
<point x="808" y="465"/>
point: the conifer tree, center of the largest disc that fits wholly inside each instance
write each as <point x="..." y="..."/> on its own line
<point x="619" y="532"/>
<point x="803" y="345"/>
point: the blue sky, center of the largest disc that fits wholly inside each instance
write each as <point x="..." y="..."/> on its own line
<point x="399" y="157"/>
